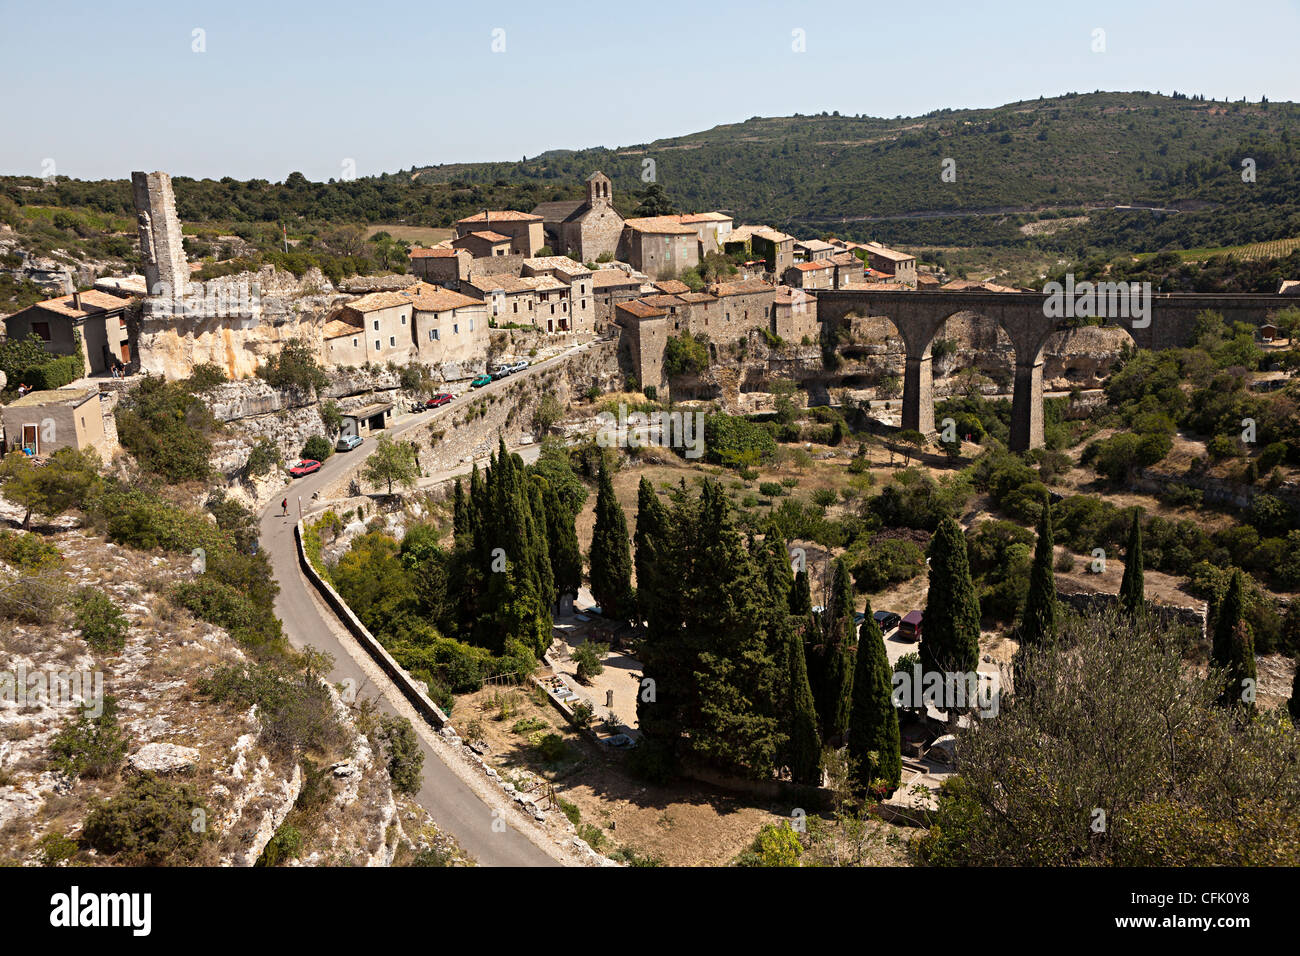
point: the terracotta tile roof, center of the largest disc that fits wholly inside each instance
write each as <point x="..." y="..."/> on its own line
<point x="506" y="283"/>
<point x="703" y="217"/>
<point x="814" y="266"/>
<point x="876" y="249"/>
<point x="608" y="278"/>
<point x="543" y="283"/>
<point x="672" y="286"/>
<point x="93" y="302"/>
<point x="640" y="310"/>
<point x="662" y="301"/>
<point x="558" y="263"/>
<point x="501" y="215"/>
<point x="378" y="300"/>
<point x="845" y="259"/>
<point x="873" y="287"/>
<point x="486" y="236"/>
<point x="697" y="297"/>
<point x="431" y="298"/>
<point x="747" y="287"/>
<point x="562" y="210"/>
<point x="660" y="225"/>
<point x="771" y="235"/>
<point x="435" y="252"/>
<point x="814" y="245"/>
<point x="337" y="328"/>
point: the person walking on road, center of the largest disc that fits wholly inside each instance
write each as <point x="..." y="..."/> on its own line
<point x="284" y="505"/>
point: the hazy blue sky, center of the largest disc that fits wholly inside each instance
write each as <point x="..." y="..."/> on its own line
<point x="104" y="88"/>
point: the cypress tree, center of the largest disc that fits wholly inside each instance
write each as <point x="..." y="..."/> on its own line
<point x="1132" y="592"/>
<point x="951" y="627"/>
<point x="837" y="694"/>
<point x="873" y="719"/>
<point x="729" y="718"/>
<point x="562" y="537"/>
<point x="1229" y="616"/>
<point x="460" y="514"/>
<point x="794" y="701"/>
<point x="651" y="541"/>
<point x="1041" y="609"/>
<point x="1240" y="672"/>
<point x="611" y="555"/>
<point x="801" y="595"/>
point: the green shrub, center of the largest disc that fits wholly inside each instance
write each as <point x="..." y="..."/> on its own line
<point x="152" y="821"/>
<point x="588" y="658"/>
<point x="295" y="709"/>
<point x="317" y="448"/>
<point x="771" y="489"/>
<point x="263" y="457"/>
<point x="401" y="748"/>
<point x="552" y="748"/>
<point x="90" y="745"/>
<point x="294" y="367"/>
<point x="528" y="725"/>
<point x="205" y="376"/>
<point x="284" y="845"/>
<point x="166" y="427"/>
<point x="101" y="622"/>
<point x="55" y="848"/>
<point x="29" y="552"/>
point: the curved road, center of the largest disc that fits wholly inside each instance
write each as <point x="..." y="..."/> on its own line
<point x="450" y="801"/>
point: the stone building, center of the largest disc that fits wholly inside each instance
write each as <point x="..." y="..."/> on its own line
<point x="510" y="299"/>
<point x="581" y="312"/>
<point x="449" y="328"/>
<point x="775" y="249"/>
<point x="44" y="422"/>
<point x="644" y="335"/>
<point x="811" y="275"/>
<point x="588" y="228"/>
<point x="794" y="316"/>
<point x="712" y="229"/>
<point x="441" y="265"/>
<point x="899" y="266"/>
<point x="95" y="320"/>
<point x="524" y="229"/>
<point x="610" y="287"/>
<point x="484" y="244"/>
<point x="849" y="269"/>
<point x="810" y="250"/>
<point x="379" y="331"/>
<point x="659" y="246"/>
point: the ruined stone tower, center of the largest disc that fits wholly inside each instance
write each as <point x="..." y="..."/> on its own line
<point x="165" y="268"/>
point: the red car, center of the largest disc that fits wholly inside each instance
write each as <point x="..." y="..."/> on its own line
<point x="442" y="398"/>
<point x="304" y="467"/>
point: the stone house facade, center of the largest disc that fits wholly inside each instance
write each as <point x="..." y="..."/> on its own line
<point x="610" y="287"/>
<point x="811" y="275"/>
<point x="900" y="266"/>
<point x="644" y="336"/>
<point x="659" y="246"/>
<point x="50" y="420"/>
<point x="441" y="265"/>
<point x="524" y="229"/>
<point x="98" y="319"/>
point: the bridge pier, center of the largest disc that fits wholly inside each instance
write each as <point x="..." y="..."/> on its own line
<point x="918" y="393"/>
<point x="1027" y="405"/>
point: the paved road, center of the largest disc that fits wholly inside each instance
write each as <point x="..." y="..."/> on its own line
<point x="451" y="802"/>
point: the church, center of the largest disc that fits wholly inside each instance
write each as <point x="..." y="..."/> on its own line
<point x="587" y="228"/>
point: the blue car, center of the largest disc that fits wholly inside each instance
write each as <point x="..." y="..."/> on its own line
<point x="348" y="442"/>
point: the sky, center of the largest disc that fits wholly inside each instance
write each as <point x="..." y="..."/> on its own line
<point x="95" y="90"/>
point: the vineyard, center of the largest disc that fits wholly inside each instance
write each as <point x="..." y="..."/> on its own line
<point x="1274" y="249"/>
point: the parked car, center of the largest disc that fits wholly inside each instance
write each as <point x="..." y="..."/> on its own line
<point x="481" y="381"/>
<point x="887" y="621"/>
<point x="501" y="371"/>
<point x="442" y="398"/>
<point x="909" y="629"/>
<point x="304" y="467"/>
<point x="348" y="442"/>
<point x="520" y="366"/>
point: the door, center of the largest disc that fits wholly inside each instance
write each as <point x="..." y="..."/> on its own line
<point x="31" y="439"/>
<point x="126" y="353"/>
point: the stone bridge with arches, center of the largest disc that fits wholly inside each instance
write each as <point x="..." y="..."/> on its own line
<point x="918" y="316"/>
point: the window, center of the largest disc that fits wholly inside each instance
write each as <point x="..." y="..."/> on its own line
<point x="378" y="345"/>
<point x="403" y="320"/>
<point x="471" y="325"/>
<point x="392" y="340"/>
<point x="516" y="308"/>
<point x="455" y="328"/>
<point x="433" y="335"/>
<point x="354" y="343"/>
<point x="42" y="329"/>
<point x="376" y="325"/>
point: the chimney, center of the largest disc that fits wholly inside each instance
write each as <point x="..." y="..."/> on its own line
<point x="76" y="301"/>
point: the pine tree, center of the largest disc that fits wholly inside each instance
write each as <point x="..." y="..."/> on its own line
<point x="1132" y="592"/>
<point x="611" y="555"/>
<point x="1041" y="608"/>
<point x="837" y="692"/>
<point x="950" y="642"/>
<point x="873" y="720"/>
<point x="1229" y="615"/>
